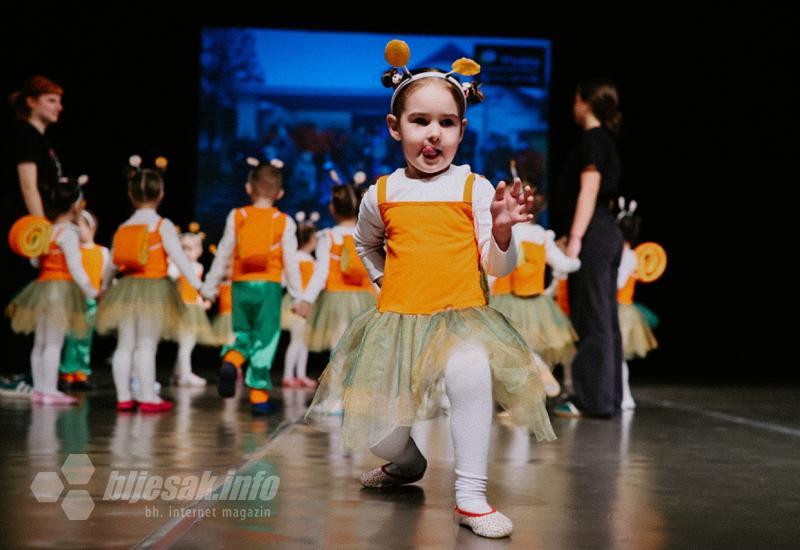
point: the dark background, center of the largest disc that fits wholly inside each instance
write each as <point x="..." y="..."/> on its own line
<point x="707" y="107"/>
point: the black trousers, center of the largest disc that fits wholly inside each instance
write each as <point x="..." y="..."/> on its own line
<point x="597" y="368"/>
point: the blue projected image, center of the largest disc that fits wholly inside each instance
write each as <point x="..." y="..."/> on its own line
<point x="315" y="101"/>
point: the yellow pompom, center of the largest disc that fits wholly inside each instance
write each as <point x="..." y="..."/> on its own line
<point x="466" y="66"/>
<point x="397" y="53"/>
<point x="213" y="249"/>
<point x="194" y="227"/>
<point x="161" y="163"/>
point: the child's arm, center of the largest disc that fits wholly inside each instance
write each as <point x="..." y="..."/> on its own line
<point x="495" y="260"/>
<point x="109" y="270"/>
<point x="290" y="265"/>
<point x="172" y="271"/>
<point x="321" y="268"/>
<point x="370" y="235"/>
<point x="491" y="279"/>
<point x="173" y="248"/>
<point x="556" y="259"/>
<point x="106" y="257"/>
<point x="551" y="289"/>
<point x="627" y="267"/>
<point x="224" y="255"/>
<point x="69" y="243"/>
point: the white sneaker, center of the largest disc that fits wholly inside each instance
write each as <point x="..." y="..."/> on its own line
<point x="628" y="404"/>
<point x="189" y="380"/>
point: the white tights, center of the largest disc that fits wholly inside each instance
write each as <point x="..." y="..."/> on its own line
<point x="137" y="342"/>
<point x="469" y="387"/>
<point x="46" y="354"/>
<point x="183" y="363"/>
<point x="296" y="353"/>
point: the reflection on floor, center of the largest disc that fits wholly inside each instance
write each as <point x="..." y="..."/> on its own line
<point x="691" y="467"/>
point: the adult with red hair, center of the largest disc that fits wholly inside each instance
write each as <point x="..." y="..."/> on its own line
<point x="34" y="162"/>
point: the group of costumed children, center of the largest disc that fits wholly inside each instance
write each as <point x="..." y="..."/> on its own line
<point x="429" y="290"/>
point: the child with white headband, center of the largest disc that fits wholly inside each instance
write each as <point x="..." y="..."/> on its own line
<point x="443" y="228"/>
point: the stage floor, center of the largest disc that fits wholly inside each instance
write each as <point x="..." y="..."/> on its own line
<point x="692" y="467"/>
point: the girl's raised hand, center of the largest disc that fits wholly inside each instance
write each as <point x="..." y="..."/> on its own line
<point x="511" y="206"/>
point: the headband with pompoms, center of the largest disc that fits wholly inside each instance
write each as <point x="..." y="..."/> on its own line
<point x="134" y="167"/>
<point x="88" y="218"/>
<point x="398" y="54"/>
<point x="351" y="189"/>
<point x="193" y="231"/>
<point x="359" y="178"/>
<point x="255" y="163"/>
<point x="301" y="217"/>
<point x="623" y="212"/>
<point x="80" y="181"/>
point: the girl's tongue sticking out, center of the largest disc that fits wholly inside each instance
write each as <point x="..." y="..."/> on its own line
<point x="429" y="152"/>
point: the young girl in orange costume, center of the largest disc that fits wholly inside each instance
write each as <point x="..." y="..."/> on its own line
<point x="442" y="227"/>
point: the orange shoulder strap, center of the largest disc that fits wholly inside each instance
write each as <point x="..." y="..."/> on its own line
<point x="468" y="188"/>
<point x="382" y="189"/>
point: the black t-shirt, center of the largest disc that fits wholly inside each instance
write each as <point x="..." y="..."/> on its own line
<point x="27" y="145"/>
<point x="595" y="147"/>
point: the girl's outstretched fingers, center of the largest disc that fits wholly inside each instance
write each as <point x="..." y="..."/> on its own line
<point x="500" y="191"/>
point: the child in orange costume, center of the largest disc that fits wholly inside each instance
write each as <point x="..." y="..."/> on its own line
<point x="442" y="227"/>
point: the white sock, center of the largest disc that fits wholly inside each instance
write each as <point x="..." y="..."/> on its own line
<point x="121" y="361"/>
<point x="183" y="363"/>
<point x="290" y="361"/>
<point x="296" y="353"/>
<point x="469" y="387"/>
<point x="144" y="359"/>
<point x="302" y="358"/>
<point x="627" y="397"/>
<point x="37" y="374"/>
<point x="568" y="387"/>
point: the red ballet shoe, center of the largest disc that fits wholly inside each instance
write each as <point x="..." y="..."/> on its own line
<point x="163" y="406"/>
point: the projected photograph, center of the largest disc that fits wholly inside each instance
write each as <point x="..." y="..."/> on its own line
<point x="314" y="100"/>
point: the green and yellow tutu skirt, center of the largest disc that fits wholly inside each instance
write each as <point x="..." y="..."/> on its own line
<point x="61" y="302"/>
<point x="222" y="327"/>
<point x="155" y="301"/>
<point x="542" y="324"/>
<point x="196" y="321"/>
<point x="388" y="371"/>
<point x="637" y="337"/>
<point x="331" y="315"/>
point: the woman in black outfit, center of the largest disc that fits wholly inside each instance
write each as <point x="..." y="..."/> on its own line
<point x="588" y="185"/>
<point x="31" y="165"/>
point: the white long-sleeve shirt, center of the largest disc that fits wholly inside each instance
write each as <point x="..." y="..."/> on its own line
<point x="554" y="257"/>
<point x="370" y="233"/>
<point x="68" y="240"/>
<point x="325" y="237"/>
<point x="627" y="266"/>
<point x="169" y="239"/>
<point x="227" y="246"/>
